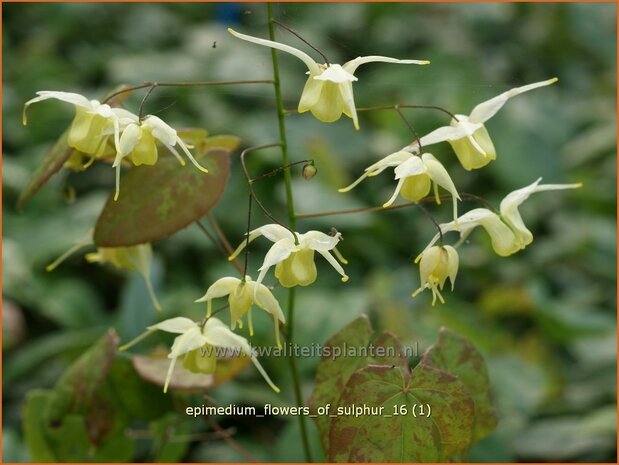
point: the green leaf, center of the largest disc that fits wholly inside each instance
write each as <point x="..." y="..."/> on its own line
<point x="75" y="390"/>
<point x="443" y="428"/>
<point x="333" y="372"/>
<point x="157" y="201"/>
<point x="77" y="421"/>
<point x="456" y="355"/>
<point x="36" y="402"/>
<point x="51" y="164"/>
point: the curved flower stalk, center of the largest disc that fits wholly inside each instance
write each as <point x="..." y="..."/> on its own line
<point x="436" y="264"/>
<point x="139" y="142"/>
<point x="197" y="344"/>
<point x="93" y="123"/>
<point x="328" y="91"/>
<point x="294" y="263"/>
<point x="507" y="232"/>
<point x="468" y="136"/>
<point x="134" y="258"/>
<point x="242" y="294"/>
<point x="415" y="175"/>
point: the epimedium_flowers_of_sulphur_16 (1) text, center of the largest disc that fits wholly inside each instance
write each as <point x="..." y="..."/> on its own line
<point x="328" y="90"/>
<point x="134" y="138"/>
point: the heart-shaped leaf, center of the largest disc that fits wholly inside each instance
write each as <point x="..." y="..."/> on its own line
<point x="426" y="416"/>
<point x="456" y="355"/>
<point x="157" y="201"/>
<point x="339" y="363"/>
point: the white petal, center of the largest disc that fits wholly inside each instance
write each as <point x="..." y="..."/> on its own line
<point x="220" y="288"/>
<point x="336" y="74"/>
<point x="218" y="334"/>
<point x="349" y="102"/>
<point x="128" y="140"/>
<point x="278" y="252"/>
<point x="397" y="190"/>
<point x="161" y="130"/>
<point x="275" y="232"/>
<point x="411" y="167"/>
<point x="169" y="375"/>
<point x="69" y="97"/>
<point x="441" y="134"/>
<point x="352" y="65"/>
<point x="440" y="176"/>
<point x="335" y="264"/>
<point x="188" y="341"/>
<point x="393" y="159"/>
<point x="319" y="241"/>
<point x="304" y="57"/>
<point x="125" y="116"/>
<point x="265" y="299"/>
<point x="175" y="325"/>
<point x="486" y="110"/>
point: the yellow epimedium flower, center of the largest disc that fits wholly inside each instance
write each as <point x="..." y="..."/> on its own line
<point x="293" y="256"/>
<point x="139" y="142"/>
<point x="133" y="258"/>
<point x="415" y="175"/>
<point x="511" y="215"/>
<point x="507" y="232"/>
<point x="436" y="264"/>
<point x="197" y="344"/>
<point x="241" y="296"/>
<point x="468" y="136"/>
<point x="328" y="91"/>
<point x="93" y="124"/>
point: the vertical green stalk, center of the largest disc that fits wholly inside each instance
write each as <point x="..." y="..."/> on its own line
<point x="291" y="222"/>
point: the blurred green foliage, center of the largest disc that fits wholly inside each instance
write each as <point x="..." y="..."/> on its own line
<point x="544" y="319"/>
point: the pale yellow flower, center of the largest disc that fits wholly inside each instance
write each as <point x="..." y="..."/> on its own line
<point x="328" y="90"/>
<point x="93" y="124"/>
<point x="507" y="232"/>
<point x="197" y="343"/>
<point x="241" y="296"/>
<point x="436" y="264"/>
<point x="468" y="136"/>
<point x="294" y="263"/>
<point x="415" y="175"/>
<point x="139" y="142"/>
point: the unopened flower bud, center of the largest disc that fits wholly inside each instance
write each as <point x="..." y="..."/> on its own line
<point x="309" y="171"/>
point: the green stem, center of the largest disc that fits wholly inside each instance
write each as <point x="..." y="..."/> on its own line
<point x="281" y="112"/>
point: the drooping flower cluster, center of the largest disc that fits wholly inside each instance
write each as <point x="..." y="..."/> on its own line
<point x="96" y="123"/>
<point x="416" y="171"/>
<point x="99" y="131"/>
